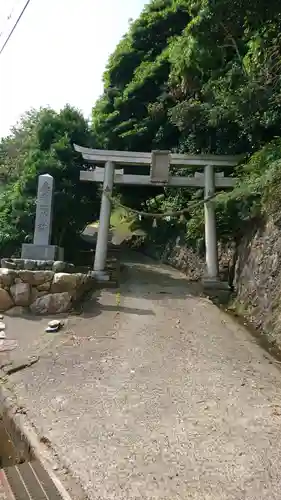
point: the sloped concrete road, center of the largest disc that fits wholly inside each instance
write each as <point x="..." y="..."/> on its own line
<point x="162" y="398"/>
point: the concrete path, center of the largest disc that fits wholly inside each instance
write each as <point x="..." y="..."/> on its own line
<point x="162" y="398"/>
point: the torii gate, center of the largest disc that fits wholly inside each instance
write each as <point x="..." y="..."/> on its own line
<point x="159" y="163"/>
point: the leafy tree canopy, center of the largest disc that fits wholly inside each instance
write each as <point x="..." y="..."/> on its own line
<point x="194" y="75"/>
<point x="43" y="143"/>
<point x="198" y="76"/>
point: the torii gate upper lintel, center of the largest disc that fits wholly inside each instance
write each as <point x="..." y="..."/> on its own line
<point x="159" y="163"/>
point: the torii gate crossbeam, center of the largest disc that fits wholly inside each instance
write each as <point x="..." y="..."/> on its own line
<point x="159" y="163"/>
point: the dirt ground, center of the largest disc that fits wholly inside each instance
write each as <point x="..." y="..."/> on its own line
<point x="162" y="396"/>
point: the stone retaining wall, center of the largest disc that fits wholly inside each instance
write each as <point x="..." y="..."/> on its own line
<point x="41" y="292"/>
<point x="34" y="265"/>
<point x="258" y="280"/>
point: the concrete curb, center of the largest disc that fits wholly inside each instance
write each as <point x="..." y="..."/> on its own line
<point x="10" y="411"/>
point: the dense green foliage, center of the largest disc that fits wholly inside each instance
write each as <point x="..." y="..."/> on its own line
<point x="42" y="143"/>
<point x="194" y="75"/>
<point x="198" y="76"/>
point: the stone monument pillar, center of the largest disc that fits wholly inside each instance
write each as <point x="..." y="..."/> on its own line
<point x="41" y="249"/>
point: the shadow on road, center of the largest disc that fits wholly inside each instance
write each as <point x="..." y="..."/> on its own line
<point x="93" y="307"/>
<point x="140" y="273"/>
<point x="141" y="277"/>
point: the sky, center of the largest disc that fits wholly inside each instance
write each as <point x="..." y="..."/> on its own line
<point x="58" y="52"/>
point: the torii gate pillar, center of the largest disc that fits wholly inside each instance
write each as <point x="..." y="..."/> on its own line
<point x="104" y="223"/>
<point x="212" y="262"/>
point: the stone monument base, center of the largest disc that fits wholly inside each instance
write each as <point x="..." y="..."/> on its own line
<point x="41" y="252"/>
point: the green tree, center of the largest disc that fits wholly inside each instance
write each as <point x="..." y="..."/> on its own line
<point x="226" y="64"/>
<point x="43" y="143"/>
